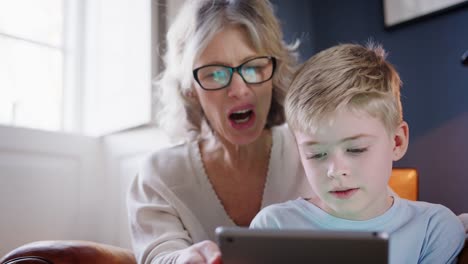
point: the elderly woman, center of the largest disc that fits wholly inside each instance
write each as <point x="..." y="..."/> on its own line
<point x="226" y="74"/>
<point x="227" y="71"/>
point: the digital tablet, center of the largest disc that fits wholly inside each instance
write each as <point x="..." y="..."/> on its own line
<point x="241" y="245"/>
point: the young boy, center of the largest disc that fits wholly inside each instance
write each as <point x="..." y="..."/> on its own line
<point x="345" y="112"/>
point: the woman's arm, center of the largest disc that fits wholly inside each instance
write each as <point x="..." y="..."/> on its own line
<point x="163" y="228"/>
<point x="158" y="234"/>
<point x="156" y="229"/>
<point x="202" y="252"/>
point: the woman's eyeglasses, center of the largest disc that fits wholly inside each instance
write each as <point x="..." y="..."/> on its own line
<point x="254" y="71"/>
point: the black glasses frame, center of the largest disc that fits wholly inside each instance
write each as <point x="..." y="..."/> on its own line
<point x="235" y="69"/>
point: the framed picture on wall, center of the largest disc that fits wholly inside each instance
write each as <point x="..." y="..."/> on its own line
<point x="397" y="12"/>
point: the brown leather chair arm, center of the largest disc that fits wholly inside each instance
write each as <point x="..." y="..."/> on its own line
<point x="463" y="256"/>
<point x="68" y="252"/>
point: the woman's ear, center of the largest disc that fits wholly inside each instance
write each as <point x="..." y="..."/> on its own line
<point x="191" y="94"/>
<point x="400" y="141"/>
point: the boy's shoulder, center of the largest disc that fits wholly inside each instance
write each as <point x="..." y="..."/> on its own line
<point x="438" y="223"/>
<point x="432" y="213"/>
<point x="422" y="207"/>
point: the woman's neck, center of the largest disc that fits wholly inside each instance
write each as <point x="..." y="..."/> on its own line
<point x="218" y="149"/>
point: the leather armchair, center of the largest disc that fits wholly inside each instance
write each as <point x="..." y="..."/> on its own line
<point x="68" y="252"/>
<point x="463" y="256"/>
<point x="404" y="182"/>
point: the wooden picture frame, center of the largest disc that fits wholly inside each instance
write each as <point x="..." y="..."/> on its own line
<point x="399" y="12"/>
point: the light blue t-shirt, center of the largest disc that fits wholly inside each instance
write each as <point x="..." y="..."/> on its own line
<point x="420" y="232"/>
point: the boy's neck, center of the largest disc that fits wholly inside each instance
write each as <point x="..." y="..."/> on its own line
<point x="378" y="209"/>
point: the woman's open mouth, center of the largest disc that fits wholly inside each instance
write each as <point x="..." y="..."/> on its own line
<point x="242" y="118"/>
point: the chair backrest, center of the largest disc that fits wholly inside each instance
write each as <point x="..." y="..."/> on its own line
<point x="463" y="256"/>
<point x="404" y="182"/>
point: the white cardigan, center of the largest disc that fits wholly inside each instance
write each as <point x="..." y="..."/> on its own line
<point x="172" y="203"/>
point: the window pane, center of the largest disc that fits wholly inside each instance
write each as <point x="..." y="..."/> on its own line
<point x="32" y="19"/>
<point x="30" y="85"/>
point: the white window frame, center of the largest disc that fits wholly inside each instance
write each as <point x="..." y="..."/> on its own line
<point x="112" y="29"/>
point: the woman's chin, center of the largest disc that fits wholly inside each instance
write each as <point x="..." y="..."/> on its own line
<point x="246" y="136"/>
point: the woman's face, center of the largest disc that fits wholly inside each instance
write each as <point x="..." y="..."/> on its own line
<point x="238" y="112"/>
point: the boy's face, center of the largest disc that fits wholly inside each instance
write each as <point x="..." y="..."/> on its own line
<point x="348" y="163"/>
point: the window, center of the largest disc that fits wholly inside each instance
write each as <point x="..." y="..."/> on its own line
<point x="31" y="63"/>
<point x="75" y="66"/>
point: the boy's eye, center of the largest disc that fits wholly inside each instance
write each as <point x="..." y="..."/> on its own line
<point x="316" y="156"/>
<point x="356" y="150"/>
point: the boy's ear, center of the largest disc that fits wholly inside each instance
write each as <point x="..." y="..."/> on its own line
<point x="400" y="141"/>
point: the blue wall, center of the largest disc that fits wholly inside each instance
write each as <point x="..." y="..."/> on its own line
<point x="298" y="24"/>
<point x="435" y="85"/>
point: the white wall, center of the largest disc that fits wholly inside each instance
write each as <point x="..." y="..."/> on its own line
<point x="60" y="187"/>
<point x="49" y="187"/>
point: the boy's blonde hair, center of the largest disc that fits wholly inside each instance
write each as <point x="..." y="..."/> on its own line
<point x="195" y="26"/>
<point x="347" y="76"/>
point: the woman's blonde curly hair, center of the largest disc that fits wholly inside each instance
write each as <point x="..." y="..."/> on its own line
<point x="194" y="27"/>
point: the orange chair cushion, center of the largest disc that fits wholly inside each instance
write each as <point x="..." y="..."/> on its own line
<point x="404" y="182"/>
